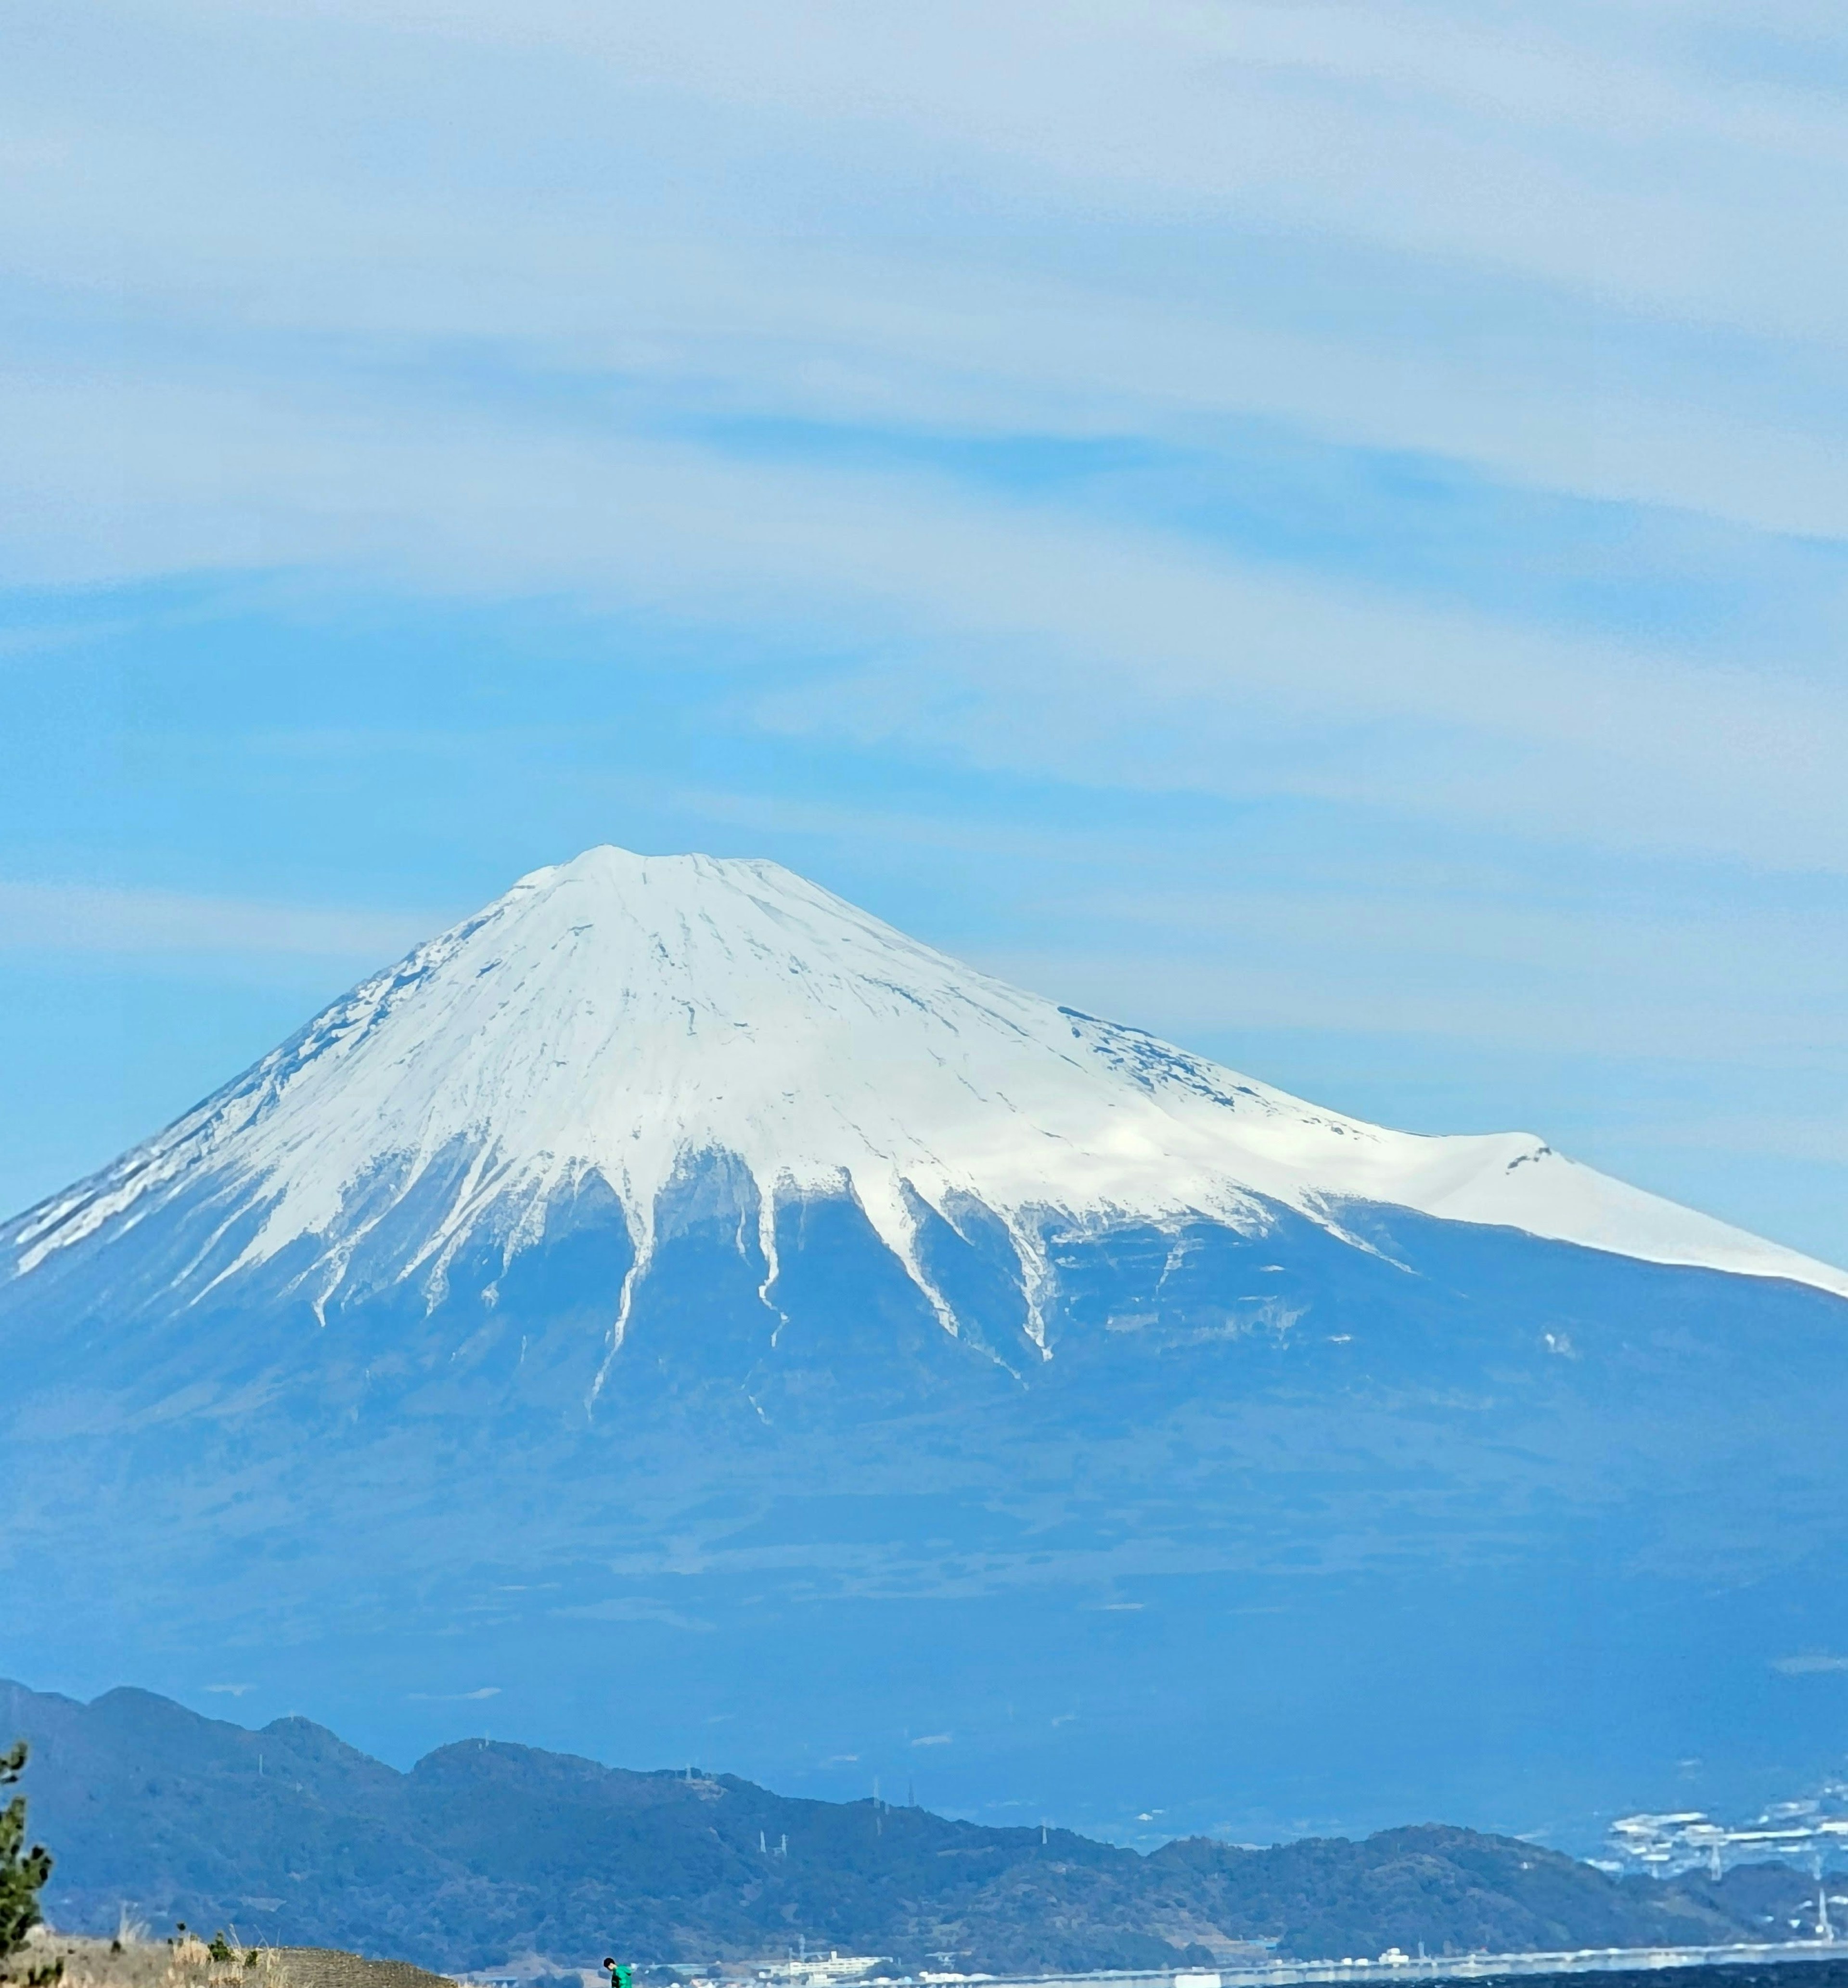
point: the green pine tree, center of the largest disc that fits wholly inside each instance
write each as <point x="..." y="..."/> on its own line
<point x="22" y="1872"/>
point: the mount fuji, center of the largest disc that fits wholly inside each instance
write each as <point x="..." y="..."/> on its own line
<point x="679" y="1307"/>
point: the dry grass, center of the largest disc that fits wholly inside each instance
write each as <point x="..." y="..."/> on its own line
<point x="187" y="1962"/>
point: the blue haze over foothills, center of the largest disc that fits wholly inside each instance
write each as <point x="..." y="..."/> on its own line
<point x="1317" y="532"/>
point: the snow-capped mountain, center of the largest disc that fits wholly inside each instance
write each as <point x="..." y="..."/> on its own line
<point x="626" y="1019"/>
<point x="672" y="1296"/>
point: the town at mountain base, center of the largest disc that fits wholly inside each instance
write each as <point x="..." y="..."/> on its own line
<point x="485" y="1852"/>
<point x="673" y="1297"/>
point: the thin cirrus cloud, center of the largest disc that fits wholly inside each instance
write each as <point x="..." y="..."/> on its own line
<point x="1187" y="105"/>
<point x="1561" y="246"/>
<point x="1664" y="997"/>
<point x="1189" y="668"/>
<point x="86" y="918"/>
<point x="1565" y="245"/>
<point x="1607" y="227"/>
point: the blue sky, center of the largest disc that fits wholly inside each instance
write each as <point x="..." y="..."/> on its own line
<point x="1320" y="529"/>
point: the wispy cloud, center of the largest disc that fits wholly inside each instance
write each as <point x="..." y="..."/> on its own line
<point x="1028" y="638"/>
<point x="1814" y="1663"/>
<point x="78" y="917"/>
<point x="1456" y="171"/>
<point x="454" y="1697"/>
<point x="635" y="1608"/>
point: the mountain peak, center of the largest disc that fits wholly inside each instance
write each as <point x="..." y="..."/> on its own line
<point x="609" y="867"/>
<point x="621" y="1019"/>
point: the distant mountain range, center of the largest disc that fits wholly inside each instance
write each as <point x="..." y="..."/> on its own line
<point x="486" y="1853"/>
<point x="677" y="1303"/>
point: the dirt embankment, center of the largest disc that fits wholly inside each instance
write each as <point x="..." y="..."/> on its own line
<point x="188" y="1962"/>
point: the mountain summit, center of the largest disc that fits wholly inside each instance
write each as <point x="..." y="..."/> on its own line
<point x="672" y="1296"/>
<point x="626" y="1021"/>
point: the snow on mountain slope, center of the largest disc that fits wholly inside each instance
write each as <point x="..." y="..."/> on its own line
<point x="622" y="1017"/>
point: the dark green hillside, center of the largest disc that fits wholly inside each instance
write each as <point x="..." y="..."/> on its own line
<point x="485" y="1852"/>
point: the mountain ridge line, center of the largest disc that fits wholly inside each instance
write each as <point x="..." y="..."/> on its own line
<point x="484" y="1851"/>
